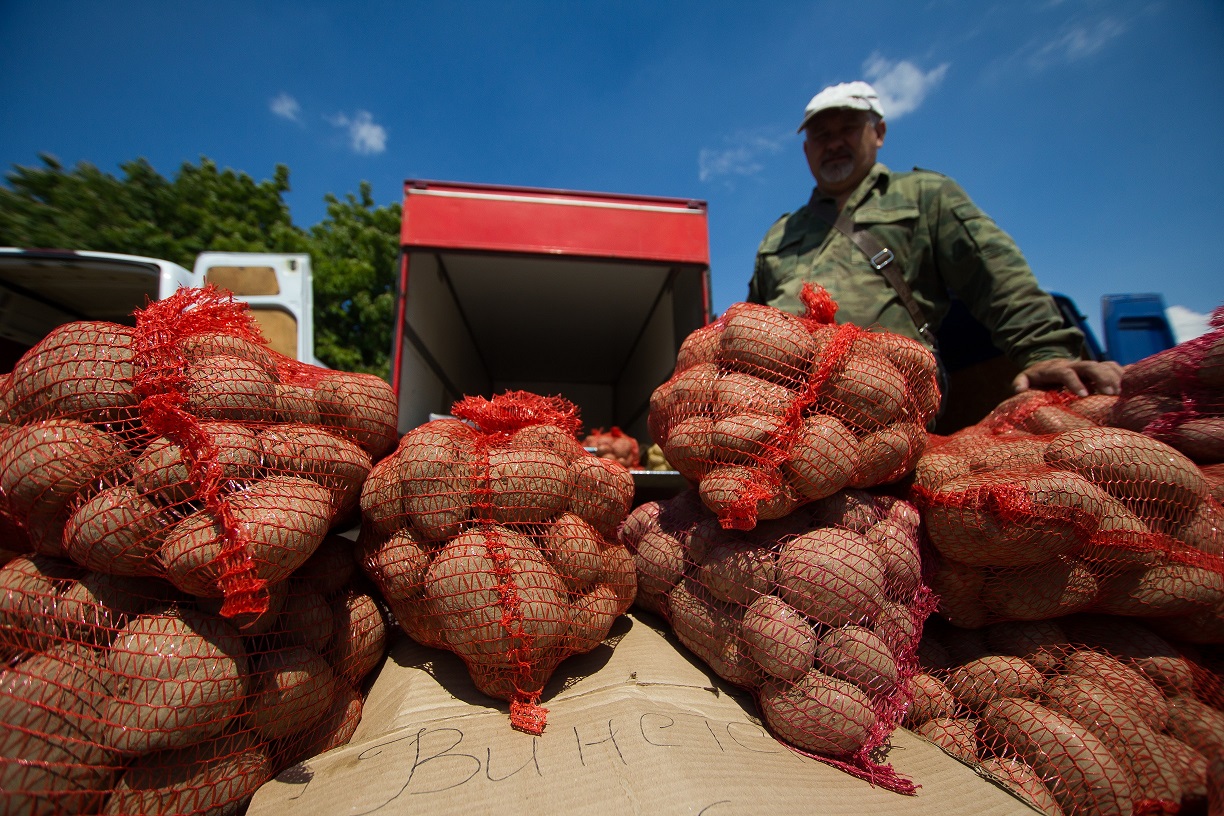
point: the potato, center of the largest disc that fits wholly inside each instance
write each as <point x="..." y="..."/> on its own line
<point x="981" y="681"/>
<point x="1197" y="724"/>
<point x="1152" y="478"/>
<point x="334" y="462"/>
<point x="831" y="575"/>
<point x="1127" y="682"/>
<point x="1096" y="408"/>
<point x="1122" y="539"/>
<point x="620" y="575"/>
<point x="1023" y="781"/>
<point x="931" y="700"/>
<point x="747" y="438"/>
<point x="163" y="473"/>
<point x="498" y="600"/>
<point x="1078" y="768"/>
<point x="199" y="345"/>
<point x="361" y="407"/>
<point x="332" y="565"/>
<point x="1161" y="590"/>
<point x="819" y="713"/>
<point x="397" y="565"/>
<point x="897" y="548"/>
<point x="45" y="465"/>
<point x="214" y="778"/>
<point x="739" y="496"/>
<point x="918" y="366"/>
<point x="360" y="639"/>
<point x="601" y="492"/>
<point x="284" y="519"/>
<point x="593" y="615"/>
<point x="851" y="508"/>
<point x="438" y="471"/>
<point x="779" y="638"/>
<point x="334" y="729"/>
<point x="888" y="454"/>
<point x="559" y="441"/>
<point x="1202" y="438"/>
<point x="712" y="630"/>
<point x="1052" y="419"/>
<point x="52" y="757"/>
<point x="768" y="343"/>
<point x="1059" y="587"/>
<point x="689" y="393"/>
<point x="997" y="454"/>
<point x="737" y="393"/>
<point x="96" y="607"/>
<point x="1137" y="412"/>
<point x="737" y="573"/>
<point x="1123" y="729"/>
<point x="1155" y="371"/>
<point x="80" y="371"/>
<point x="525" y="485"/>
<point x="866" y="393"/>
<point x="934" y="470"/>
<point x="30" y="586"/>
<point x="700" y="346"/>
<point x="225" y="387"/>
<point x="688" y="447"/>
<point x="382" y="499"/>
<point x="1041" y="643"/>
<point x="1189" y="764"/>
<point x="306" y="617"/>
<point x="859" y="656"/>
<point x="181" y="677"/>
<point x="252" y="624"/>
<point x="659" y="560"/>
<point x="117" y="531"/>
<point x="1204" y="529"/>
<point x="292" y="688"/>
<point x="898" y="626"/>
<point x="969" y="518"/>
<point x="1139" y="647"/>
<point x="959" y="590"/>
<point x="956" y="737"/>
<point x="823" y="457"/>
<point x="296" y="404"/>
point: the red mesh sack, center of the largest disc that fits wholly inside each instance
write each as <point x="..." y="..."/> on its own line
<point x="185" y="448"/>
<point x="122" y="694"/>
<point x="766" y="410"/>
<point x="1027" y="526"/>
<point x="1177" y="395"/>
<point x="494" y="536"/>
<point x="614" y="444"/>
<point x="818" y="614"/>
<point x="1085" y="714"/>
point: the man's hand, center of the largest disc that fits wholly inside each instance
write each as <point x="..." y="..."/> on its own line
<point x="1080" y="377"/>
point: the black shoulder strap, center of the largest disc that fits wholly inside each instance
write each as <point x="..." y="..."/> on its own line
<point x="881" y="259"/>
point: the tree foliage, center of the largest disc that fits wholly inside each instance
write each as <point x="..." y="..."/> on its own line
<point x="353" y="250"/>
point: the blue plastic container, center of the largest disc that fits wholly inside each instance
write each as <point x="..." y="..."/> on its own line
<point x="1135" y="326"/>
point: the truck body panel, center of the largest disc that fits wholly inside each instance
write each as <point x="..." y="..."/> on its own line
<point x="583" y="295"/>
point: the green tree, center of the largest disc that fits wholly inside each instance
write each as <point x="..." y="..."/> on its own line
<point x="142" y="213"/>
<point x="354" y="252"/>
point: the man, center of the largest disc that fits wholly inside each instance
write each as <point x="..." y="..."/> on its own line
<point x="889" y="247"/>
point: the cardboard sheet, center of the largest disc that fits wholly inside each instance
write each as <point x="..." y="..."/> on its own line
<point x="637" y="726"/>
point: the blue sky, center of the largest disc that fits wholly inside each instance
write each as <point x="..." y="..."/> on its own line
<point x="1090" y="130"/>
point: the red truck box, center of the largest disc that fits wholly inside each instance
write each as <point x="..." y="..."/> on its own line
<point x="583" y="295"/>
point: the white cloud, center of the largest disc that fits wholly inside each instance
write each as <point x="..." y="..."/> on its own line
<point x="1187" y="324"/>
<point x="741" y="157"/>
<point x="365" y="135"/>
<point x="1074" y="41"/>
<point x="901" y="85"/>
<point x="286" y="107"/>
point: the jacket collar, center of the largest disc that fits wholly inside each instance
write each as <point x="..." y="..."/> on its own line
<point x="877" y="177"/>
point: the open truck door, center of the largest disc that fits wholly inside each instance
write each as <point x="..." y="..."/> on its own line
<point x="583" y="295"/>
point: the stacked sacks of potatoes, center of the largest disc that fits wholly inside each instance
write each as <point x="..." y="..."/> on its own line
<point x="123" y="694"/>
<point x="818" y="613"/>
<point x="164" y="490"/>
<point x="184" y="448"/>
<point x="1086" y="714"/>
<point x="1177" y="395"/>
<point x="493" y="535"/>
<point x="766" y="411"/>
<point x="1080" y="517"/>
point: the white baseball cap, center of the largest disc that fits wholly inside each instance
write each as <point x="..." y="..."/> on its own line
<point x="856" y="95"/>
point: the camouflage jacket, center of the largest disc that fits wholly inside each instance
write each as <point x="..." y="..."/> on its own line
<point x="942" y="242"/>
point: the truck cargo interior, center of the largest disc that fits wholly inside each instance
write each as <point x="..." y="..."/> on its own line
<point x="601" y="333"/>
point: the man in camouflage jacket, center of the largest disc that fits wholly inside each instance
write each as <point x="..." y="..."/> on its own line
<point x="940" y="240"/>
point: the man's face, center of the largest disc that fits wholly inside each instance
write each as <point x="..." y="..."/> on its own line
<point x="840" y="146"/>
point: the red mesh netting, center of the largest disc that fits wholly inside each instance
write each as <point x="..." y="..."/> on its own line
<point x="818" y="613"/>
<point x="1031" y="526"/>
<point x="493" y="536"/>
<point x="1177" y="395"/>
<point x="124" y="695"/>
<point x="184" y="448"/>
<point x="1086" y="714"/>
<point x="614" y="444"/>
<point x="766" y="411"/>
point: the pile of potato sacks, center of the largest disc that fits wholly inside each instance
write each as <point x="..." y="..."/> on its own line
<point x="177" y="620"/>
